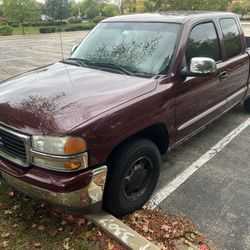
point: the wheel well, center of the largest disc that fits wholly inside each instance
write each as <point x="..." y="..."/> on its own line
<point x="157" y="133"/>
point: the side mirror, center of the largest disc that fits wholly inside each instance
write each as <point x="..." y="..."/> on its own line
<point x="201" y="66"/>
<point x="73" y="49"/>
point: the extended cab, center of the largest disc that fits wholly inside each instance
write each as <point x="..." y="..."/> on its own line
<point x="92" y="127"/>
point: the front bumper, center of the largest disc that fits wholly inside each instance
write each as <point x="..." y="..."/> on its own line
<point x="84" y="199"/>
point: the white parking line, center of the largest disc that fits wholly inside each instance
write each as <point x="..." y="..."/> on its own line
<point x="163" y="193"/>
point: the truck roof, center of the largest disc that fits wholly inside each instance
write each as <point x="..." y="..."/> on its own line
<point x="173" y="17"/>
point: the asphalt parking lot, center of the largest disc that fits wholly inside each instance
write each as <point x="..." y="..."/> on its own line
<point x="217" y="196"/>
<point x="22" y="53"/>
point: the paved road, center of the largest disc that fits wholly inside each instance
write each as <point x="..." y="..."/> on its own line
<point x="216" y="197"/>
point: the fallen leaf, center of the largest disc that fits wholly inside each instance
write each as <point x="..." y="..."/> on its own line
<point x="5" y="235"/>
<point x="192" y="236"/>
<point x="16" y="207"/>
<point x="15" y="225"/>
<point x="187" y="242"/>
<point x="166" y="228"/>
<point x="70" y="218"/>
<point x="203" y="247"/>
<point x="88" y="234"/>
<point x="64" y="222"/>
<point x="7" y="212"/>
<point x="37" y="244"/>
<point x="55" y="232"/>
<point x="5" y="243"/>
<point x="81" y="222"/>
<point x="110" y="246"/>
<point x="66" y="244"/>
<point x="145" y="228"/>
<point x="42" y="205"/>
<point x="41" y="228"/>
<point x="11" y="194"/>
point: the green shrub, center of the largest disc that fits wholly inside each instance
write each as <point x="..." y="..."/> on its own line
<point x="47" y="29"/>
<point x="6" y="30"/>
<point x="98" y="19"/>
<point x="75" y="20"/>
<point x="59" y="29"/>
<point x="38" y="24"/>
<point x="13" y="24"/>
<point x="48" y="23"/>
<point x="26" y="24"/>
<point x="55" y="23"/>
<point x="82" y="26"/>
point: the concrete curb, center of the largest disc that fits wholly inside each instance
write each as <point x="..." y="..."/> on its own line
<point x="121" y="232"/>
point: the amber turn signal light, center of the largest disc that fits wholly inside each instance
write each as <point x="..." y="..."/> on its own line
<point x="72" y="165"/>
<point x="75" y="145"/>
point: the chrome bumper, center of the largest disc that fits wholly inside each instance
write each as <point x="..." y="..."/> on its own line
<point x="80" y="199"/>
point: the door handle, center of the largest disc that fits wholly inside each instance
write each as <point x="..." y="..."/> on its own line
<point x="223" y="75"/>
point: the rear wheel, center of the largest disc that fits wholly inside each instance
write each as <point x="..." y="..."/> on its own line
<point x="132" y="176"/>
<point x="247" y="105"/>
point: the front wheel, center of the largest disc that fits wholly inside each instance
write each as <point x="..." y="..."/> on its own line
<point x="247" y="105"/>
<point x="132" y="176"/>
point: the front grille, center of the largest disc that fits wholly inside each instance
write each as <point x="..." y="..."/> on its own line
<point x="13" y="146"/>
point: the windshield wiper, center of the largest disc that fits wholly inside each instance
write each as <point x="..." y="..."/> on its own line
<point x="86" y="63"/>
<point x="112" y="66"/>
<point x="75" y="61"/>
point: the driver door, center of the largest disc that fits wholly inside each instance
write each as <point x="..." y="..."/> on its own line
<point x="200" y="99"/>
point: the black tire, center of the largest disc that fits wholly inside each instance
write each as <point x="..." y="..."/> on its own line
<point x="247" y="105"/>
<point x="125" y="189"/>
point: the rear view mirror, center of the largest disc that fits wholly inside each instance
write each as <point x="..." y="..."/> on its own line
<point x="201" y="66"/>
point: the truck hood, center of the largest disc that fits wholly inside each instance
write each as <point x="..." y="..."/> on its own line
<point x="57" y="98"/>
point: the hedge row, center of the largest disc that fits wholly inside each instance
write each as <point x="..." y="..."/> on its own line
<point x="98" y="19"/>
<point x="82" y="26"/>
<point x="47" y="30"/>
<point x="6" y="30"/>
<point x="68" y="27"/>
<point x="37" y="24"/>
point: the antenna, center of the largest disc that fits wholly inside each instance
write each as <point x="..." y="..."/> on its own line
<point x="60" y="35"/>
<point x="59" y="28"/>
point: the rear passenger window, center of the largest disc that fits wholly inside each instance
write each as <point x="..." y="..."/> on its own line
<point x="231" y="37"/>
<point x="203" y="42"/>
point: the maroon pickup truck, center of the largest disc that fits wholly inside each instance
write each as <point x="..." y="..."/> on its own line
<point x="92" y="127"/>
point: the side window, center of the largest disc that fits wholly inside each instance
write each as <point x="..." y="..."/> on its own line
<point x="231" y="37"/>
<point x="203" y="42"/>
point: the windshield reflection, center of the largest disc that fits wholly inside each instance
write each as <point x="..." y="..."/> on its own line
<point x="144" y="48"/>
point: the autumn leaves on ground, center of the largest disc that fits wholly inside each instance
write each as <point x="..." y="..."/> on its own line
<point x="28" y="224"/>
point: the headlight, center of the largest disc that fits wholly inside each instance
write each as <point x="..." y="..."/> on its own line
<point x="59" y="153"/>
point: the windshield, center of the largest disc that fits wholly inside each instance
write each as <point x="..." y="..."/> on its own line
<point x="141" y="48"/>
